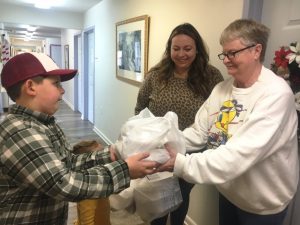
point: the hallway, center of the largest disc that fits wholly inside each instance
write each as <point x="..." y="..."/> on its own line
<point x="76" y="130"/>
<point x="73" y="126"/>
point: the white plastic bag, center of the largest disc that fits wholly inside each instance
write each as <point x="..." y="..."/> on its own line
<point x="145" y="132"/>
<point x="154" y="199"/>
<point x="125" y="199"/>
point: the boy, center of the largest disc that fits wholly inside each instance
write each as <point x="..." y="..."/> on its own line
<point x="38" y="172"/>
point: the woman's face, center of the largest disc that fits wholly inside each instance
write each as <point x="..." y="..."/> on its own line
<point x="183" y="52"/>
<point x="240" y="59"/>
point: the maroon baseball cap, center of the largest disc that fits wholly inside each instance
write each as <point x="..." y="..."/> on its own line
<point x="28" y="65"/>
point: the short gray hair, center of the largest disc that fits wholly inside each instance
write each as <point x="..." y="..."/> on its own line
<point x="249" y="32"/>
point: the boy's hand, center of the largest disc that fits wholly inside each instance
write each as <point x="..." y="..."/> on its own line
<point x="138" y="167"/>
<point x="169" y="165"/>
<point x="113" y="154"/>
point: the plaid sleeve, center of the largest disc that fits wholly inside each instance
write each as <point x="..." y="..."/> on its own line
<point x="35" y="159"/>
<point x="90" y="159"/>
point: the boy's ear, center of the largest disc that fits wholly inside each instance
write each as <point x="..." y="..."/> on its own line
<point x="30" y="87"/>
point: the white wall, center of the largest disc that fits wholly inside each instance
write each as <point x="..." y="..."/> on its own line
<point x="285" y="28"/>
<point x="115" y="96"/>
<point x="115" y="99"/>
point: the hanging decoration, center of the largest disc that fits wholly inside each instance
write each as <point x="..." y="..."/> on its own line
<point x="5" y="49"/>
<point x="287" y="65"/>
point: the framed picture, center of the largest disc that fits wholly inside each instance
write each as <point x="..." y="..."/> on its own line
<point x="132" y="48"/>
<point x="66" y="55"/>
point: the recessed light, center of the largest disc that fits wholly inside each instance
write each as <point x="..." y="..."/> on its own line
<point x="41" y="5"/>
<point x="31" y="29"/>
<point x="46" y="4"/>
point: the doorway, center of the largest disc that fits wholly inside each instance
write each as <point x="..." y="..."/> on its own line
<point x="89" y="74"/>
<point x="55" y="54"/>
<point x="78" y="80"/>
<point x="84" y="84"/>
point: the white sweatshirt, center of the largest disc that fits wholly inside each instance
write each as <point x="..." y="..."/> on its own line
<point x="257" y="169"/>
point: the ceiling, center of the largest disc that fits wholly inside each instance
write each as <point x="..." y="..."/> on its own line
<point x="62" y="5"/>
<point x="18" y="31"/>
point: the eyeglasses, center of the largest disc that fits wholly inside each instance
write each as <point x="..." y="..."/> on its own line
<point x="231" y="55"/>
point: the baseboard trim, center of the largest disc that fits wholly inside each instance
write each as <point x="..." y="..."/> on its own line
<point x="69" y="104"/>
<point x="188" y="221"/>
<point x="102" y="136"/>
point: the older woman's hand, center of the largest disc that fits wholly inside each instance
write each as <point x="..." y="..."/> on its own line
<point x="169" y="165"/>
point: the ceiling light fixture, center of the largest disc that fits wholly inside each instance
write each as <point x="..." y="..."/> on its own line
<point x="29" y="34"/>
<point x="31" y="29"/>
<point x="42" y="5"/>
<point x="46" y="4"/>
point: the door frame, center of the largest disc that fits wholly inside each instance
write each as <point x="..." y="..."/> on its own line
<point x="77" y="64"/>
<point x="86" y="82"/>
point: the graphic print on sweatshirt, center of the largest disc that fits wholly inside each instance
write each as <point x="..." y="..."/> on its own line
<point x="227" y="117"/>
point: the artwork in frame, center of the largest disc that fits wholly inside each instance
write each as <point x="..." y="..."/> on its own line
<point x="66" y="55"/>
<point x="132" y="48"/>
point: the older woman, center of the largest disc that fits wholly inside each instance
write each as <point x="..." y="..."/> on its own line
<point x="249" y="124"/>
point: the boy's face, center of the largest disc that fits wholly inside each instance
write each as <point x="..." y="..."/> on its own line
<point x="48" y="95"/>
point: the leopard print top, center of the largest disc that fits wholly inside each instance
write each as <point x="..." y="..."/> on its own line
<point x="176" y="97"/>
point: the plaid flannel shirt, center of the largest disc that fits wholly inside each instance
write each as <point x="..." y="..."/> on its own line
<point x="39" y="175"/>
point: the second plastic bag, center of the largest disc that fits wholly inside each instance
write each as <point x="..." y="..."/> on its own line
<point x="154" y="199"/>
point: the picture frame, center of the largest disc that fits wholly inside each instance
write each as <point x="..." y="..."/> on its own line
<point x="132" y="37"/>
<point x="66" y="56"/>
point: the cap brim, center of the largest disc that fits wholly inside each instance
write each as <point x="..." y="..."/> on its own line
<point x="65" y="74"/>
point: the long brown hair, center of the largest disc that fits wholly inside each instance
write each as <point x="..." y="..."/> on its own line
<point x="197" y="74"/>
